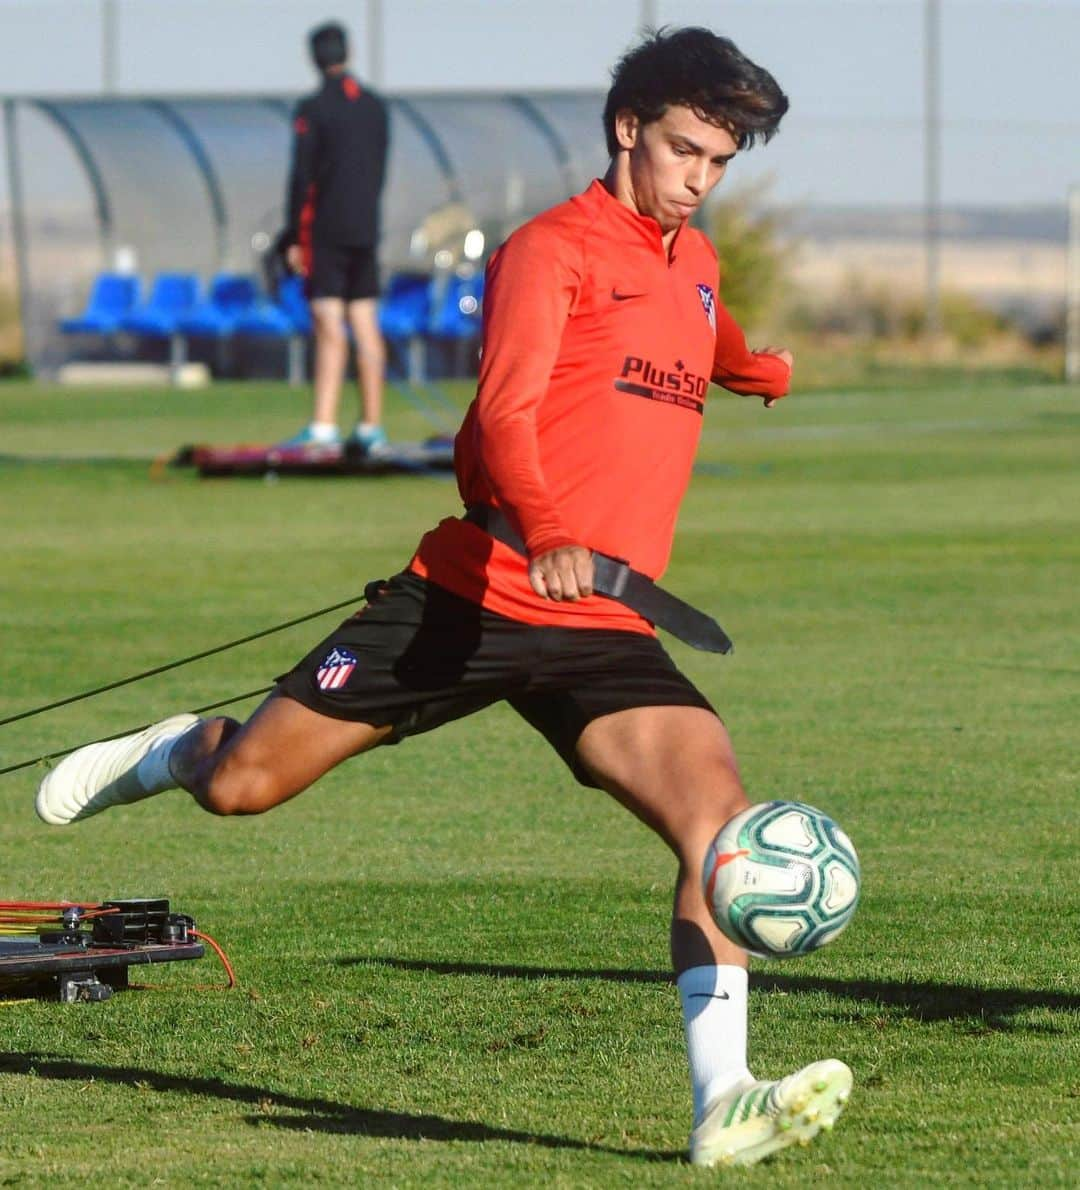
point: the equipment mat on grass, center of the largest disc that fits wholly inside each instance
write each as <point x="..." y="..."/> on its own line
<point x="433" y="454"/>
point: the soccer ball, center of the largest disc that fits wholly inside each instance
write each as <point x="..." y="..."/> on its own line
<point x="781" y="879"/>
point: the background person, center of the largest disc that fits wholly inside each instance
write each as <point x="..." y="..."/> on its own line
<point x="338" y="166"/>
<point x="602" y="329"/>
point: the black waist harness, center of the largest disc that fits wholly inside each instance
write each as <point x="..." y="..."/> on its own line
<point x="614" y="578"/>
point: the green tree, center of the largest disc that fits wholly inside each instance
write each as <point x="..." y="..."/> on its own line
<point x="746" y="235"/>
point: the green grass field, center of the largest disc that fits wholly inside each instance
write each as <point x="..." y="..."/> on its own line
<point x="453" y="960"/>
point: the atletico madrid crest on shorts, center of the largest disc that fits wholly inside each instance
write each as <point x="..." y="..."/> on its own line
<point x="335" y="669"/>
<point x="708" y="300"/>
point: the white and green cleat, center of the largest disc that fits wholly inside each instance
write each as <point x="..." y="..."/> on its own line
<point x="110" y="773"/>
<point x="757" y="1119"/>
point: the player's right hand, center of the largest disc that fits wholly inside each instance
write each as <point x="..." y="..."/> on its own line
<point x="563" y="574"/>
<point x="781" y="353"/>
<point x="294" y="258"/>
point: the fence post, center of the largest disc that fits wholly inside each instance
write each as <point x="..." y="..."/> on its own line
<point x="1072" y="290"/>
<point x="18" y="224"/>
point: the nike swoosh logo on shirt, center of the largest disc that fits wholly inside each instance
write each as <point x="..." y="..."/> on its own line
<point x="709" y="996"/>
<point x="616" y="296"/>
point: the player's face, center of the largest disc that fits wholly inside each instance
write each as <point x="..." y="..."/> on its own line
<point x="674" y="162"/>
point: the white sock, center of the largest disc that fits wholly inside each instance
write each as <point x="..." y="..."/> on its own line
<point x="714" y="1011"/>
<point x="153" y="771"/>
<point x="323" y="431"/>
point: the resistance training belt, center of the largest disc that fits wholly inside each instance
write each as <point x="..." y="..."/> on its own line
<point x="614" y="578"/>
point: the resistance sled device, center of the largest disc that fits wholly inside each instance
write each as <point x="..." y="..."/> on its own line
<point x="84" y="952"/>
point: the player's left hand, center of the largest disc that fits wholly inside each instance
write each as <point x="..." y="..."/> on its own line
<point x="563" y="574"/>
<point x="780" y="353"/>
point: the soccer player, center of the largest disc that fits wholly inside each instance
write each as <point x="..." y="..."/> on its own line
<point x="338" y="165"/>
<point x="602" y="331"/>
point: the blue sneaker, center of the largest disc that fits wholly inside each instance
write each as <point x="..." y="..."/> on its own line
<point x="307" y="439"/>
<point x="367" y="441"/>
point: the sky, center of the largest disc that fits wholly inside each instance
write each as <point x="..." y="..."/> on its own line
<point x="854" y="71"/>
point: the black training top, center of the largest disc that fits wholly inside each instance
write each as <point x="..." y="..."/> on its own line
<point x="339" y="162"/>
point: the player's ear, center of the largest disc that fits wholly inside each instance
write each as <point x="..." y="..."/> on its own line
<point x="627" y="128"/>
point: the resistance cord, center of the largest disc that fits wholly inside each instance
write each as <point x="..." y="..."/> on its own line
<point x="160" y="669"/>
<point x="213" y="706"/>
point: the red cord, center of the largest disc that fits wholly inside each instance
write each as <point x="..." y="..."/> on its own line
<point x="42" y="906"/>
<point x="220" y="954"/>
<point x="32" y="915"/>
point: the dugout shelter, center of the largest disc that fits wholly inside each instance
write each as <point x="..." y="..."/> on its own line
<point x="195" y="187"/>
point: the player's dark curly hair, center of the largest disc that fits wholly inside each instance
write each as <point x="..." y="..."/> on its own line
<point x="695" y="68"/>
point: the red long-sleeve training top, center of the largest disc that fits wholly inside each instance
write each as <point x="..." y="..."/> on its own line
<point x="597" y="353"/>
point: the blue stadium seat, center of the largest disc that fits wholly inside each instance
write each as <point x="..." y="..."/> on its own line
<point x="455" y="312"/>
<point x="404" y="313"/>
<point x="279" y="318"/>
<point x="173" y="296"/>
<point x="230" y="295"/>
<point x="453" y="329"/>
<point x="113" y="296"/>
<point x="292" y="298"/>
<point x="405" y="307"/>
<point x="286" y="318"/>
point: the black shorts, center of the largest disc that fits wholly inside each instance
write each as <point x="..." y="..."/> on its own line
<point x="344" y="271"/>
<point x="419" y="656"/>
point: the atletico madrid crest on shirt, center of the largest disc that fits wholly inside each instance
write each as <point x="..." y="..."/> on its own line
<point x="708" y="300"/>
<point x="335" y="669"/>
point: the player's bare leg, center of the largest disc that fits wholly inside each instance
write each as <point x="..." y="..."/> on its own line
<point x="331" y="352"/>
<point x="674" y="767"/>
<point x="282" y="749"/>
<point x="230" y="768"/>
<point x="363" y="316"/>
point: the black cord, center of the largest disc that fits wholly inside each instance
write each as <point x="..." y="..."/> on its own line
<point x="213" y="706"/>
<point x="149" y="673"/>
